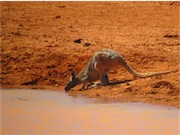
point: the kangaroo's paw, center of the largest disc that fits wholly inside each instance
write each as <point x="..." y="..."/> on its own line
<point x="82" y="89"/>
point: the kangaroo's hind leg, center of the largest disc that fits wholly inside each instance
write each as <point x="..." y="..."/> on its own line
<point x="107" y="79"/>
<point x="102" y="73"/>
<point x="104" y="80"/>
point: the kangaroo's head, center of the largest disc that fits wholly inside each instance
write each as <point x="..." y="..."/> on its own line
<point x="72" y="82"/>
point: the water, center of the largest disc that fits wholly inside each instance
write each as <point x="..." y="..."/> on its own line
<point x="37" y="112"/>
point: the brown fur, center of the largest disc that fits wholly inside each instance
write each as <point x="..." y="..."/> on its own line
<point x="99" y="65"/>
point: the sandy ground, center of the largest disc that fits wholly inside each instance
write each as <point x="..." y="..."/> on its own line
<point x="38" y="48"/>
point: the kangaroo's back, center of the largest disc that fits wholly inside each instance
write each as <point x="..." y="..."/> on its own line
<point x="106" y="59"/>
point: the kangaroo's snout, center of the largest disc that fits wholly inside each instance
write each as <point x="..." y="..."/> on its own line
<point x="66" y="89"/>
<point x="68" y="86"/>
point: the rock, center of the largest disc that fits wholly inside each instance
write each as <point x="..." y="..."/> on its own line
<point x="171" y="36"/>
<point x="33" y="82"/>
<point x="62" y="6"/>
<point x="78" y="40"/>
<point x="58" y="16"/>
<point x="161" y="84"/>
<point x="87" y="44"/>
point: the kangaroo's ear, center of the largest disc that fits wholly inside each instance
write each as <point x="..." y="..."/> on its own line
<point x="73" y="73"/>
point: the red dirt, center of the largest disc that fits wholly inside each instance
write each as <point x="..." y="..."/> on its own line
<point x="38" y="48"/>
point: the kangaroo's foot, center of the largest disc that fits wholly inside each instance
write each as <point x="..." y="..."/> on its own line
<point x="92" y="85"/>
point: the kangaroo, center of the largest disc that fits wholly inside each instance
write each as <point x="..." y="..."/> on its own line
<point x="99" y="65"/>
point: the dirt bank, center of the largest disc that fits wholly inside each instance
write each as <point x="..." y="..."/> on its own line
<point x="38" y="48"/>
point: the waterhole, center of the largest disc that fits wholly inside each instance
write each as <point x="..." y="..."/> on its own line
<point x="38" y="112"/>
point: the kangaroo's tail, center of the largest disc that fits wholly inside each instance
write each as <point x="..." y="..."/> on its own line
<point x="143" y="75"/>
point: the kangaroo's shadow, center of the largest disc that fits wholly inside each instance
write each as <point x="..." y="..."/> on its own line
<point x="90" y="86"/>
<point x="119" y="82"/>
